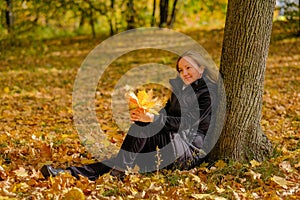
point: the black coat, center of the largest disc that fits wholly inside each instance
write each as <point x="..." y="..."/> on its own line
<point x="186" y="117"/>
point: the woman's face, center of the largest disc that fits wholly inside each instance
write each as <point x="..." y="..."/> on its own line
<point x="189" y="71"/>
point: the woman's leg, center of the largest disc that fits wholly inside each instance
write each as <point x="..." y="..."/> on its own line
<point x="139" y="147"/>
<point x="91" y="171"/>
<point x="125" y="158"/>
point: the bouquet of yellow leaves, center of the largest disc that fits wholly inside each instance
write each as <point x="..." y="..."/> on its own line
<point x="145" y="101"/>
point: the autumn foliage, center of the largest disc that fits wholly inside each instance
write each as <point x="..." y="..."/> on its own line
<point x="36" y="127"/>
<point x="144" y="101"/>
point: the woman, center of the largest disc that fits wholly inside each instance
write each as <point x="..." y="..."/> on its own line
<point x="178" y="131"/>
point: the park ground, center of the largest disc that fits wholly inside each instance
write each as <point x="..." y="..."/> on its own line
<point x="36" y="126"/>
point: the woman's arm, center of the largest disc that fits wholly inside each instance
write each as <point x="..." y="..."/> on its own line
<point x="189" y="117"/>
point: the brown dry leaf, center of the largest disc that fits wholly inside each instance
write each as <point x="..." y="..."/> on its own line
<point x="235" y="194"/>
<point x="45" y="151"/>
<point x="21" y="172"/>
<point x="196" y="178"/>
<point x="220" y="190"/>
<point x="280" y="181"/>
<point x="35" y="174"/>
<point x="3" y="174"/>
<point x="253" y="174"/>
<point x="5" y="192"/>
<point x="286" y="166"/>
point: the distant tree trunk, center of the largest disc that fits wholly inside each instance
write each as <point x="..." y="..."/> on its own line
<point x="173" y="15"/>
<point x="130" y="15"/>
<point x="82" y="19"/>
<point x="243" y="64"/>
<point x="153" y="13"/>
<point x="92" y="23"/>
<point x="110" y="18"/>
<point x="9" y="15"/>
<point x="111" y="29"/>
<point x="164" y="10"/>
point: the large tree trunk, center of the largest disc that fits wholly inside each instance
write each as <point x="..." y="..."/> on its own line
<point x="243" y="63"/>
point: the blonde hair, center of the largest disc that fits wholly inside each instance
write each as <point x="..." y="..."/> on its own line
<point x="210" y="69"/>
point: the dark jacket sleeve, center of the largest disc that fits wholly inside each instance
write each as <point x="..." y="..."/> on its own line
<point x="192" y="115"/>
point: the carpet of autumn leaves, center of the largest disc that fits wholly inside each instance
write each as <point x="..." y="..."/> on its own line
<point x="36" y="127"/>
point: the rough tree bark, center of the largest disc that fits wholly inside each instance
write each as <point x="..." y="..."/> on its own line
<point x="243" y="64"/>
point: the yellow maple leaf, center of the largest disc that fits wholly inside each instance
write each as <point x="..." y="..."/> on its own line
<point x="254" y="163"/>
<point x="74" y="194"/>
<point x="144" y="100"/>
<point x="207" y="196"/>
<point x="220" y="164"/>
<point x="6" y="90"/>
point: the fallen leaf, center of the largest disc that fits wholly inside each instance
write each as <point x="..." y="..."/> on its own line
<point x="21" y="172"/>
<point x="220" y="190"/>
<point x="6" y="90"/>
<point x="220" y="164"/>
<point x="35" y="174"/>
<point x="207" y="196"/>
<point x="45" y="151"/>
<point x="297" y="165"/>
<point x="74" y="194"/>
<point x="280" y="181"/>
<point x="253" y="174"/>
<point x="254" y="163"/>
<point x="7" y="193"/>
<point x="286" y="166"/>
<point x="235" y="194"/>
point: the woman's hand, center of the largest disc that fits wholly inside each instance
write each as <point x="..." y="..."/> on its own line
<point x="141" y="115"/>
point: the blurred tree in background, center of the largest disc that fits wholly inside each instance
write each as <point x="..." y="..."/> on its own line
<point x="25" y="21"/>
<point x="35" y="19"/>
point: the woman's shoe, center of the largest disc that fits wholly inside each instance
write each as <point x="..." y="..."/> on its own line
<point x="47" y="171"/>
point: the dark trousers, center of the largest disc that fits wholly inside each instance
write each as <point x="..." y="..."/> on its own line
<point x="144" y="145"/>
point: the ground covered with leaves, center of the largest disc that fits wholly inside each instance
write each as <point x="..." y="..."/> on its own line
<point x="36" y="127"/>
